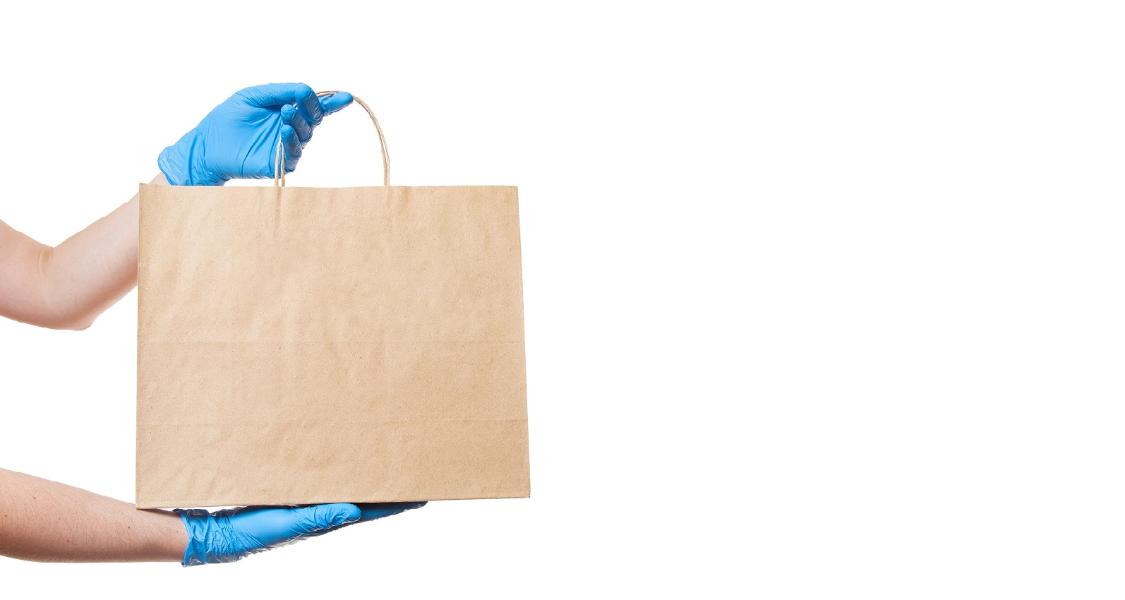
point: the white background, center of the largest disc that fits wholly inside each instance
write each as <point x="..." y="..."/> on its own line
<point x="823" y="299"/>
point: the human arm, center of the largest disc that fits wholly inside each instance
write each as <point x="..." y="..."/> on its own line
<point x="69" y="285"/>
<point x="45" y="521"/>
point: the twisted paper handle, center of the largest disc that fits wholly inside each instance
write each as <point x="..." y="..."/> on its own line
<point x="279" y="158"/>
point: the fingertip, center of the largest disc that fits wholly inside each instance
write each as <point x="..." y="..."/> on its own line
<point x="335" y="101"/>
<point x="378" y="511"/>
<point x="349" y="513"/>
<point x="287" y="113"/>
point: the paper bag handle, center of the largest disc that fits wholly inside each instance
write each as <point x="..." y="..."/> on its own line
<point x="279" y="158"/>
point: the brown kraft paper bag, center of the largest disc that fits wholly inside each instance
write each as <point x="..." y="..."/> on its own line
<point x="306" y="345"/>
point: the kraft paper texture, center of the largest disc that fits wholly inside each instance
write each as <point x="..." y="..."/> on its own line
<point x="304" y="345"/>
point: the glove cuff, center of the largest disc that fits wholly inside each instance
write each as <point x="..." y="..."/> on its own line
<point x="174" y="166"/>
<point x="195" y="522"/>
<point x="205" y="538"/>
<point x="176" y="163"/>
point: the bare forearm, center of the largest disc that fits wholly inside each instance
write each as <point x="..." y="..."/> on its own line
<point x="46" y="521"/>
<point x="91" y="270"/>
<point x="68" y="286"/>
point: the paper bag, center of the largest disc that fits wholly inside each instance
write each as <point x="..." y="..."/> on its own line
<point x="305" y="345"/>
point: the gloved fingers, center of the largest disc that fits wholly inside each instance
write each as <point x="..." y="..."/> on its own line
<point x="308" y="105"/>
<point x="292" y="117"/>
<point x="293" y="147"/>
<point x="370" y="512"/>
<point x="274" y="95"/>
<point x="334" y="102"/>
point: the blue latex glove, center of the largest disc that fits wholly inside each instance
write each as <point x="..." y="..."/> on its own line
<point x="239" y="138"/>
<point x="228" y="535"/>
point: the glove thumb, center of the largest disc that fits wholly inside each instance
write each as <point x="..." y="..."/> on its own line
<point x="334" y="102"/>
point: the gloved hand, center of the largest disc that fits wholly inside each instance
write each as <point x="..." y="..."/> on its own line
<point x="228" y="535"/>
<point x="238" y="139"/>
